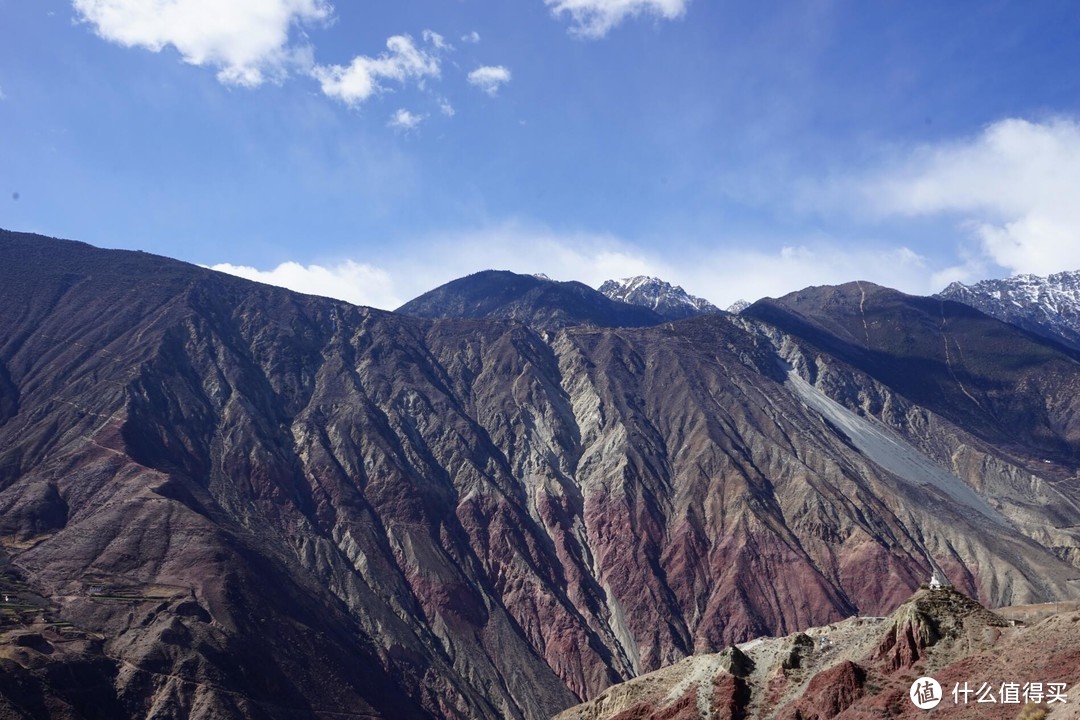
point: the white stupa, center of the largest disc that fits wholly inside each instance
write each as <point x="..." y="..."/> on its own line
<point x="937" y="580"/>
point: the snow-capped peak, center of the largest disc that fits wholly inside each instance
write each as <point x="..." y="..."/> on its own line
<point x="1049" y="305"/>
<point x="670" y="301"/>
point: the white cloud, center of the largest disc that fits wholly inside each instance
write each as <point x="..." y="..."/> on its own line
<point x="356" y="82"/>
<point x="594" y="18"/>
<point x="247" y="40"/>
<point x="490" y="78"/>
<point x="729" y="275"/>
<point x="250" y="42"/>
<point x="350" y="281"/>
<point x="1015" y="187"/>
<point x="2" y="95"/>
<point x="405" y="120"/>
<point x="719" y="275"/>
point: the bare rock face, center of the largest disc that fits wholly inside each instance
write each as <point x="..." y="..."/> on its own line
<point x="736" y="663"/>
<point x="263" y="504"/>
<point x="731" y="696"/>
<point x="829" y="693"/>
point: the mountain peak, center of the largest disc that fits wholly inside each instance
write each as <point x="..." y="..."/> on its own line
<point x="669" y="301"/>
<point x="535" y="300"/>
<point x="738" y="306"/>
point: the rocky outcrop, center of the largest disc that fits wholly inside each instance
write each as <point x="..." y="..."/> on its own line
<point x="929" y="617"/>
<point x="730" y="697"/>
<point x="842" y="671"/>
<point x="829" y="693"/>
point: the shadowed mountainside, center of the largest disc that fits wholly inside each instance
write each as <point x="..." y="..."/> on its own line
<point x="979" y="372"/>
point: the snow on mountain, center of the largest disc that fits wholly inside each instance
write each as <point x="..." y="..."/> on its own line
<point x="738" y="306"/>
<point x="1048" y="306"/>
<point x="667" y="300"/>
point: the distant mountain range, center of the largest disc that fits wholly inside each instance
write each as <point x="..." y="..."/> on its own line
<point x="1049" y="306"/>
<point x="220" y="499"/>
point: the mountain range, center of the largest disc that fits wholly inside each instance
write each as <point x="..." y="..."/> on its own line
<point x="220" y="499"/>
<point x="1048" y="306"/>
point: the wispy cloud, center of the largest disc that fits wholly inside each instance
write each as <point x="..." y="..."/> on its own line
<point x="1015" y="187"/>
<point x="353" y="282"/>
<point x="471" y="38"/>
<point x="359" y="80"/>
<point x="594" y="18"/>
<point x="490" y="78"/>
<point x="436" y="40"/>
<point x="751" y="274"/>
<point x="248" y="44"/>
<point x="402" y="119"/>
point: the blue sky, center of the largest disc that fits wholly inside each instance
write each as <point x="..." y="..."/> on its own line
<point x="371" y="151"/>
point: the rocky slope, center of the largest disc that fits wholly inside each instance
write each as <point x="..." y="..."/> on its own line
<point x="241" y="502"/>
<point x="669" y="301"/>
<point x="537" y="300"/>
<point x="863" y="667"/>
<point x="1048" y="306"/>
